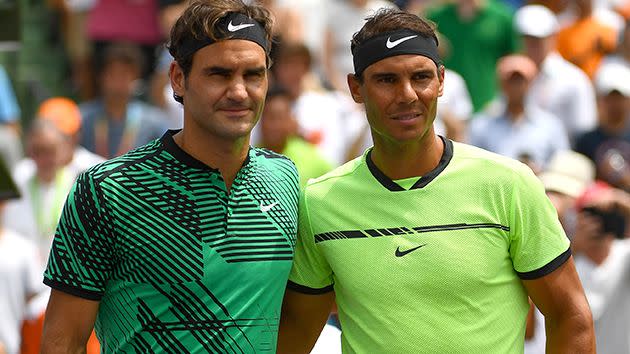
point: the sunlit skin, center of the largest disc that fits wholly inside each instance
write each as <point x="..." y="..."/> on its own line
<point x="223" y="95"/>
<point x="615" y="109"/>
<point x="400" y="96"/>
<point x="290" y="72"/>
<point x="514" y="87"/>
<point x="537" y="49"/>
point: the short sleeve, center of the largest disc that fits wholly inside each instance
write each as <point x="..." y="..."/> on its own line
<point x="311" y="273"/>
<point x="538" y="244"/>
<point x="82" y="254"/>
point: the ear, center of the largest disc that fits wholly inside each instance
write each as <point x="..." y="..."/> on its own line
<point x="178" y="81"/>
<point x="355" y="88"/>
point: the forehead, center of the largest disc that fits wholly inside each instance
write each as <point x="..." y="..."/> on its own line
<point x="41" y="137"/>
<point x="230" y="53"/>
<point x="401" y="64"/>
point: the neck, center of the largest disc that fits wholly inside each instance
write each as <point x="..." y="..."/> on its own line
<point x="540" y="60"/>
<point x="225" y="155"/>
<point x="398" y="161"/>
<point x="614" y="126"/>
<point x="115" y="107"/>
<point x="46" y="177"/>
<point x="584" y="11"/>
<point x="515" y="110"/>
<point x="467" y="10"/>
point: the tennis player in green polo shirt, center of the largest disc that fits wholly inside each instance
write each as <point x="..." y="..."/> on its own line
<point x="184" y="245"/>
<point x="430" y="246"/>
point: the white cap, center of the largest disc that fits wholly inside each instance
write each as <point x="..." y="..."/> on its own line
<point x="613" y="77"/>
<point x="568" y="173"/>
<point x="536" y="21"/>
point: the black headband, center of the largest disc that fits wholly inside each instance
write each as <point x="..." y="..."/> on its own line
<point x="233" y="26"/>
<point x="388" y="44"/>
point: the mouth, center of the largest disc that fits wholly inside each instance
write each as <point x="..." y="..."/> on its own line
<point x="406" y="116"/>
<point x="236" y="111"/>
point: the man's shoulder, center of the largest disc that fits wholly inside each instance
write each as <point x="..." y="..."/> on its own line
<point x="104" y="170"/>
<point x="542" y="116"/>
<point x="344" y="173"/>
<point x="269" y="156"/>
<point x="556" y="66"/>
<point x="273" y="161"/>
<point x="486" y="162"/>
<point x="589" y="137"/>
<point x="90" y="109"/>
<point x="487" y="117"/>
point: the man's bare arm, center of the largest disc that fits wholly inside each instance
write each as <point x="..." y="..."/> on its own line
<point x="68" y="323"/>
<point x="568" y="320"/>
<point x="302" y="319"/>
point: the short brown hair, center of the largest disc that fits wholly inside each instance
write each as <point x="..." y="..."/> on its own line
<point x="199" y="21"/>
<point x="126" y="53"/>
<point x="293" y="50"/>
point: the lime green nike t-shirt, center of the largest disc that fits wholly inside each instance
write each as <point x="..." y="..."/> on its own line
<point x="432" y="268"/>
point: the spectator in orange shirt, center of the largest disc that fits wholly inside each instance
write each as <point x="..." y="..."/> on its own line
<point x="586" y="41"/>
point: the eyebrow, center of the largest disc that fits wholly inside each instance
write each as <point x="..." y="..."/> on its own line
<point x="216" y="70"/>
<point x="429" y="73"/>
<point x="383" y="75"/>
<point x="256" y="71"/>
<point x="424" y="71"/>
<point x="226" y="71"/>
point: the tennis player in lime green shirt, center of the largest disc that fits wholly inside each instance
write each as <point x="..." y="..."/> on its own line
<point x="429" y="246"/>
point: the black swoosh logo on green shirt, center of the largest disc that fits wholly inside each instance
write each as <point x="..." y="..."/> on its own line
<point x="400" y="253"/>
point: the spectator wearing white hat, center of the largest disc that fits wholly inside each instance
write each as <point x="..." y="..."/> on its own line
<point x="622" y="55"/>
<point x="518" y="130"/>
<point x="560" y="87"/>
<point x="565" y="179"/>
<point x="608" y="145"/>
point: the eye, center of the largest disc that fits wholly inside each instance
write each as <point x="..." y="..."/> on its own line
<point x="255" y="75"/>
<point x="421" y="76"/>
<point x="219" y="74"/>
<point x="386" y="80"/>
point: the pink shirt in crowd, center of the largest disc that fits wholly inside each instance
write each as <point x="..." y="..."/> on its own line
<point x="126" y="20"/>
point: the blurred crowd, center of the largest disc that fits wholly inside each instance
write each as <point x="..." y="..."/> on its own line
<point x="544" y="82"/>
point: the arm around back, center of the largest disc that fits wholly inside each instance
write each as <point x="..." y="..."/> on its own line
<point x="302" y="319"/>
<point x="68" y="323"/>
<point x="568" y="321"/>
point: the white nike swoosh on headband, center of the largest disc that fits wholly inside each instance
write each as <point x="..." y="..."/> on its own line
<point x="391" y="44"/>
<point x="233" y="28"/>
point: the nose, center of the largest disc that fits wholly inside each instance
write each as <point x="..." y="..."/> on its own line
<point x="237" y="90"/>
<point x="407" y="93"/>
